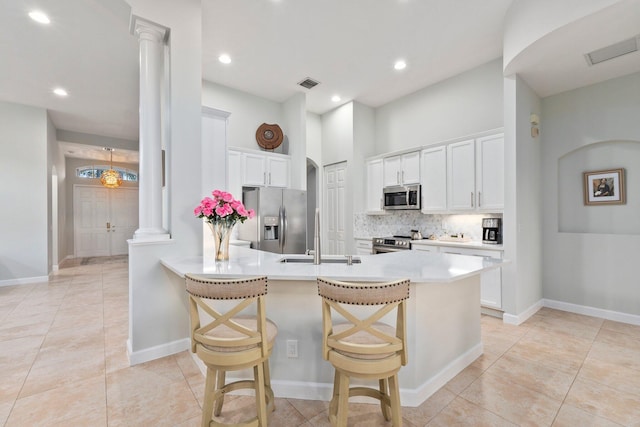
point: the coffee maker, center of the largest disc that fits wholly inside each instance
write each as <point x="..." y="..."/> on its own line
<point x="492" y="231"/>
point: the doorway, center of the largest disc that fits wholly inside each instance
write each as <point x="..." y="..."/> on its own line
<point x="103" y="220"/>
<point x="335" y="183"/>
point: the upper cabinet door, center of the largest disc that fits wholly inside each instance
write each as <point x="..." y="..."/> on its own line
<point x="392" y="167"/>
<point x="410" y="172"/>
<point x="277" y="172"/>
<point x="374" y="185"/>
<point x="402" y="169"/>
<point x="254" y="166"/>
<point x="461" y="175"/>
<point x="490" y="172"/>
<point x="434" y="179"/>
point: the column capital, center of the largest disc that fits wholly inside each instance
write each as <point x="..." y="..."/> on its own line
<point x="148" y="30"/>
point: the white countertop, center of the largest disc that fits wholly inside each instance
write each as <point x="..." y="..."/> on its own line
<point x="415" y="265"/>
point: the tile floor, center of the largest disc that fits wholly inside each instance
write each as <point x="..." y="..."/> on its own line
<point x="63" y="363"/>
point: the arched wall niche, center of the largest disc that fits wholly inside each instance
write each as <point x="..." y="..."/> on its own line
<point x="576" y="217"/>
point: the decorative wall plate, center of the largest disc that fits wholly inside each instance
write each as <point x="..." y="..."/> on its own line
<point x="269" y="136"/>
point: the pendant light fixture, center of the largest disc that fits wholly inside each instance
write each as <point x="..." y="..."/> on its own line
<point x="110" y="178"/>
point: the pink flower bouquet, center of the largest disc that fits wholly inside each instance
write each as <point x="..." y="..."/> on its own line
<point x="222" y="208"/>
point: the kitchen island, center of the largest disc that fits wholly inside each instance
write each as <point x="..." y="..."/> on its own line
<point x="443" y="318"/>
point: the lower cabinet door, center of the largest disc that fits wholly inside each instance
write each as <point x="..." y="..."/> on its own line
<point x="490" y="281"/>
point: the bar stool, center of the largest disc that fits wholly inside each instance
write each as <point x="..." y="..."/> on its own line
<point x="226" y="340"/>
<point x="362" y="347"/>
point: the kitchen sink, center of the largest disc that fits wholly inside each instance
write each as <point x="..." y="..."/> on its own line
<point x="328" y="260"/>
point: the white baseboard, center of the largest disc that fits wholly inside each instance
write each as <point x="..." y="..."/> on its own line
<point x="24" y="281"/>
<point x="512" y="319"/>
<point x="157" y="352"/>
<point x="323" y="391"/>
<point x="416" y="397"/>
<point x="616" y="316"/>
<point x="632" y="319"/>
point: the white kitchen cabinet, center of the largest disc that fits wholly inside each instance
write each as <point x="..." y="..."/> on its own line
<point x="278" y="171"/>
<point x="475" y="174"/>
<point x="402" y="169"/>
<point x="490" y="173"/>
<point x="424" y="248"/>
<point x="265" y="170"/>
<point x="461" y="179"/>
<point x="490" y="281"/>
<point x="234" y="173"/>
<point x="363" y="246"/>
<point x="434" y="179"/>
<point x="374" y="185"/>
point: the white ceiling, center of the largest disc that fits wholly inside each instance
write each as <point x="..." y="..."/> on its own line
<point x="348" y="46"/>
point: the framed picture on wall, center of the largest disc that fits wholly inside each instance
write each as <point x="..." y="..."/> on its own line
<point x="604" y="187"/>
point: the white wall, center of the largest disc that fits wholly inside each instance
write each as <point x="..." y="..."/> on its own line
<point x="52" y="150"/>
<point x="314" y="138"/>
<point x="363" y="147"/>
<point x="248" y="112"/>
<point x="522" y="222"/>
<point x="24" y="197"/>
<point x="591" y="269"/>
<point x="337" y="134"/>
<point x="576" y="217"/>
<point x="530" y="20"/>
<point x="469" y="103"/>
<point x="295" y="123"/>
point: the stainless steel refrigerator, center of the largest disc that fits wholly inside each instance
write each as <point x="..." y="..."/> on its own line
<point x="280" y="224"/>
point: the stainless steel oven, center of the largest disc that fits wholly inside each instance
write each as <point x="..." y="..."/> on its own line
<point x="382" y="245"/>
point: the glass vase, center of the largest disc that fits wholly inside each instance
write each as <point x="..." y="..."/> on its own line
<point x="221" y="234"/>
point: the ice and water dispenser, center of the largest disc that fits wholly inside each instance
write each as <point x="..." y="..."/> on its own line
<point x="271" y="225"/>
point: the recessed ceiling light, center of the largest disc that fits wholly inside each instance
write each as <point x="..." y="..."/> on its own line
<point x="224" y="58"/>
<point x="335" y="98"/>
<point x="400" y="65"/>
<point x="40" y="17"/>
<point x="60" y="92"/>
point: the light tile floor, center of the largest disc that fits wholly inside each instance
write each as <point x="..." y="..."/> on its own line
<point x="63" y="363"/>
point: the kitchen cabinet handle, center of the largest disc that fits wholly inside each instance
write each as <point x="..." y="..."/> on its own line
<point x="479" y="198"/>
<point x="269" y="178"/>
<point x="472" y="204"/>
<point x="402" y="176"/>
<point x="264" y="178"/>
<point x="398" y="177"/>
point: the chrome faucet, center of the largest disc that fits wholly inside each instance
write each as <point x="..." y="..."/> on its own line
<point x="316" y="239"/>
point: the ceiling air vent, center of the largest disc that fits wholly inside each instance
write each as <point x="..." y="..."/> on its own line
<point x="308" y="83"/>
<point x="612" y="51"/>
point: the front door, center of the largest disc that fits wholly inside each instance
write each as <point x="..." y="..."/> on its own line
<point x="104" y="218"/>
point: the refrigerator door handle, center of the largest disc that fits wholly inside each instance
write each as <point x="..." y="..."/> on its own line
<point x="283" y="227"/>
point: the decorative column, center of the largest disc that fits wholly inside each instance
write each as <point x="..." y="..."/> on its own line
<point x="151" y="37"/>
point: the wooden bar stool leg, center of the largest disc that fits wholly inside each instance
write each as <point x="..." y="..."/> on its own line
<point x="221" y="377"/>
<point x="333" y="404"/>
<point x="261" y="404"/>
<point x="394" y="392"/>
<point x="267" y="384"/>
<point x="209" y="391"/>
<point x="343" y="401"/>
<point x="384" y="390"/>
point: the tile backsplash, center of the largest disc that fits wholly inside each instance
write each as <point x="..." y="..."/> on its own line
<point x="402" y="222"/>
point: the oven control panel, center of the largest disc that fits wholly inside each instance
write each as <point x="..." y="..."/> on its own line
<point x="393" y="242"/>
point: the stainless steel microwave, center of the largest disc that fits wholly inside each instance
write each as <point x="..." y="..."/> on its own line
<point x="399" y="197"/>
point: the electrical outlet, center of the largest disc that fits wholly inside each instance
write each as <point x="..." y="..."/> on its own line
<point x="292" y="349"/>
